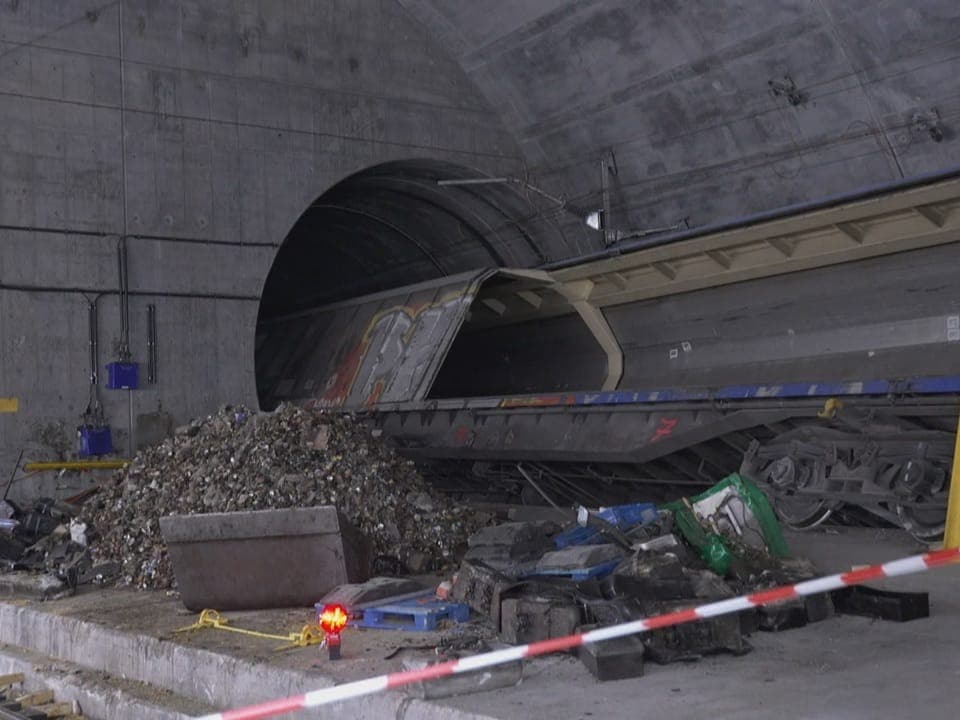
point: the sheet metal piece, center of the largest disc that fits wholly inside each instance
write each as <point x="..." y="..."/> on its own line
<point x="379" y="348"/>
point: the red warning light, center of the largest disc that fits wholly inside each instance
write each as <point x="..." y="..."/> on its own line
<point x="333" y="619"/>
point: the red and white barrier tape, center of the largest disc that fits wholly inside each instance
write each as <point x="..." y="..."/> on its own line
<point x="906" y="566"/>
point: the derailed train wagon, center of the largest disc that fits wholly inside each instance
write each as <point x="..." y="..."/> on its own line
<point x="818" y="352"/>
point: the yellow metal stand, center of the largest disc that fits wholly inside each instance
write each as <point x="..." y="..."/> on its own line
<point x="75" y="465"/>
<point x="951" y="534"/>
<point x="9" y="405"/>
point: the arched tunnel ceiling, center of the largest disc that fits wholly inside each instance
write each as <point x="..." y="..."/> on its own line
<point x="393" y="225"/>
<point x="864" y="91"/>
<point x="709" y="111"/>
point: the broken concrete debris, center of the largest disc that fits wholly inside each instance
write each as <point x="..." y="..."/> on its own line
<point x="45" y="540"/>
<point x="731" y="544"/>
<point x="240" y="460"/>
<point x="356" y="596"/>
<point x="616" y="659"/>
<point x="514" y="548"/>
<point x="529" y="619"/>
<point x="571" y="559"/>
<point x="535" y="581"/>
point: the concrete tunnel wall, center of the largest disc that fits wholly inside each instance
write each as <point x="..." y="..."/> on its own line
<point x="236" y="118"/>
<point x="204" y="130"/>
<point x="864" y="92"/>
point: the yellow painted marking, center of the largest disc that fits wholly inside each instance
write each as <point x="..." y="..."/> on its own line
<point x="951" y="535"/>
<point x="9" y="405"/>
<point x="75" y="465"/>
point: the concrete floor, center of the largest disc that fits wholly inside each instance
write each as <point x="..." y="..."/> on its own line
<point x="844" y="667"/>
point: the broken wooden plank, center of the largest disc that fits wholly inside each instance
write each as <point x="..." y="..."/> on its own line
<point x="11" y="679"/>
<point x="56" y="710"/>
<point x="41" y="697"/>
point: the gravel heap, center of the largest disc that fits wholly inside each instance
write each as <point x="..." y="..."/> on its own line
<point x="240" y="459"/>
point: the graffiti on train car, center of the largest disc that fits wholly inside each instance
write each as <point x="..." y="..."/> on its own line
<point x="664" y="429"/>
<point x="538" y="401"/>
<point x="390" y="358"/>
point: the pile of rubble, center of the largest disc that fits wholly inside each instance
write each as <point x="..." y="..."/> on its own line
<point x="239" y="459"/>
<point x="44" y="538"/>
<point x="550" y="574"/>
<point x="535" y="581"/>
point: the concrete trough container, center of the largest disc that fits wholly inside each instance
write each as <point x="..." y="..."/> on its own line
<point x="263" y="558"/>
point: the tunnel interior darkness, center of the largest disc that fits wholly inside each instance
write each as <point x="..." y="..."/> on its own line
<point x="390" y="226"/>
<point x="393" y="225"/>
<point x="495" y="354"/>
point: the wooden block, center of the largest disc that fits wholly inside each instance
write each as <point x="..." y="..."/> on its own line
<point x="37" y="698"/>
<point x="56" y="710"/>
<point x="12" y="679"/>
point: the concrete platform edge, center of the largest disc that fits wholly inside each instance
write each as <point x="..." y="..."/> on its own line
<point x="212" y="678"/>
<point x="95" y="699"/>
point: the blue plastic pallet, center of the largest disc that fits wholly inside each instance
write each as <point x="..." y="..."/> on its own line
<point x="582" y="573"/>
<point x="418" y="614"/>
<point x="623" y="516"/>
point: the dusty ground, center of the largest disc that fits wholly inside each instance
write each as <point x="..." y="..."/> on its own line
<point x="160" y="615"/>
<point x="845" y="667"/>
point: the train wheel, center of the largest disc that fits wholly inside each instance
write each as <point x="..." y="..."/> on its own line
<point x="801" y="513"/>
<point x="926" y="525"/>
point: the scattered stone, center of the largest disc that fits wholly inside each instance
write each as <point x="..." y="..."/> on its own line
<point x="322" y="439"/>
<point x="664" y="543"/>
<point x="352" y="595"/>
<point x="514" y="533"/>
<point x="578" y="557"/>
<point x="239" y="459"/>
<point x="480" y="586"/>
<point x="78" y="532"/>
<point x="31" y="586"/>
<point x="512" y="548"/>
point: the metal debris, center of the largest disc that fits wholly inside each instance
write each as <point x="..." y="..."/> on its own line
<point x="239" y="459"/>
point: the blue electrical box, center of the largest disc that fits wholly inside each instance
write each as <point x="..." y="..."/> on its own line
<point x="95" y="441"/>
<point x="122" y="375"/>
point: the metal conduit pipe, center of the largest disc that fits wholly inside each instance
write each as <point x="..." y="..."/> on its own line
<point x="151" y="344"/>
<point x="73" y="290"/>
<point x="80" y="232"/>
<point x="122" y="269"/>
<point x="94" y="330"/>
